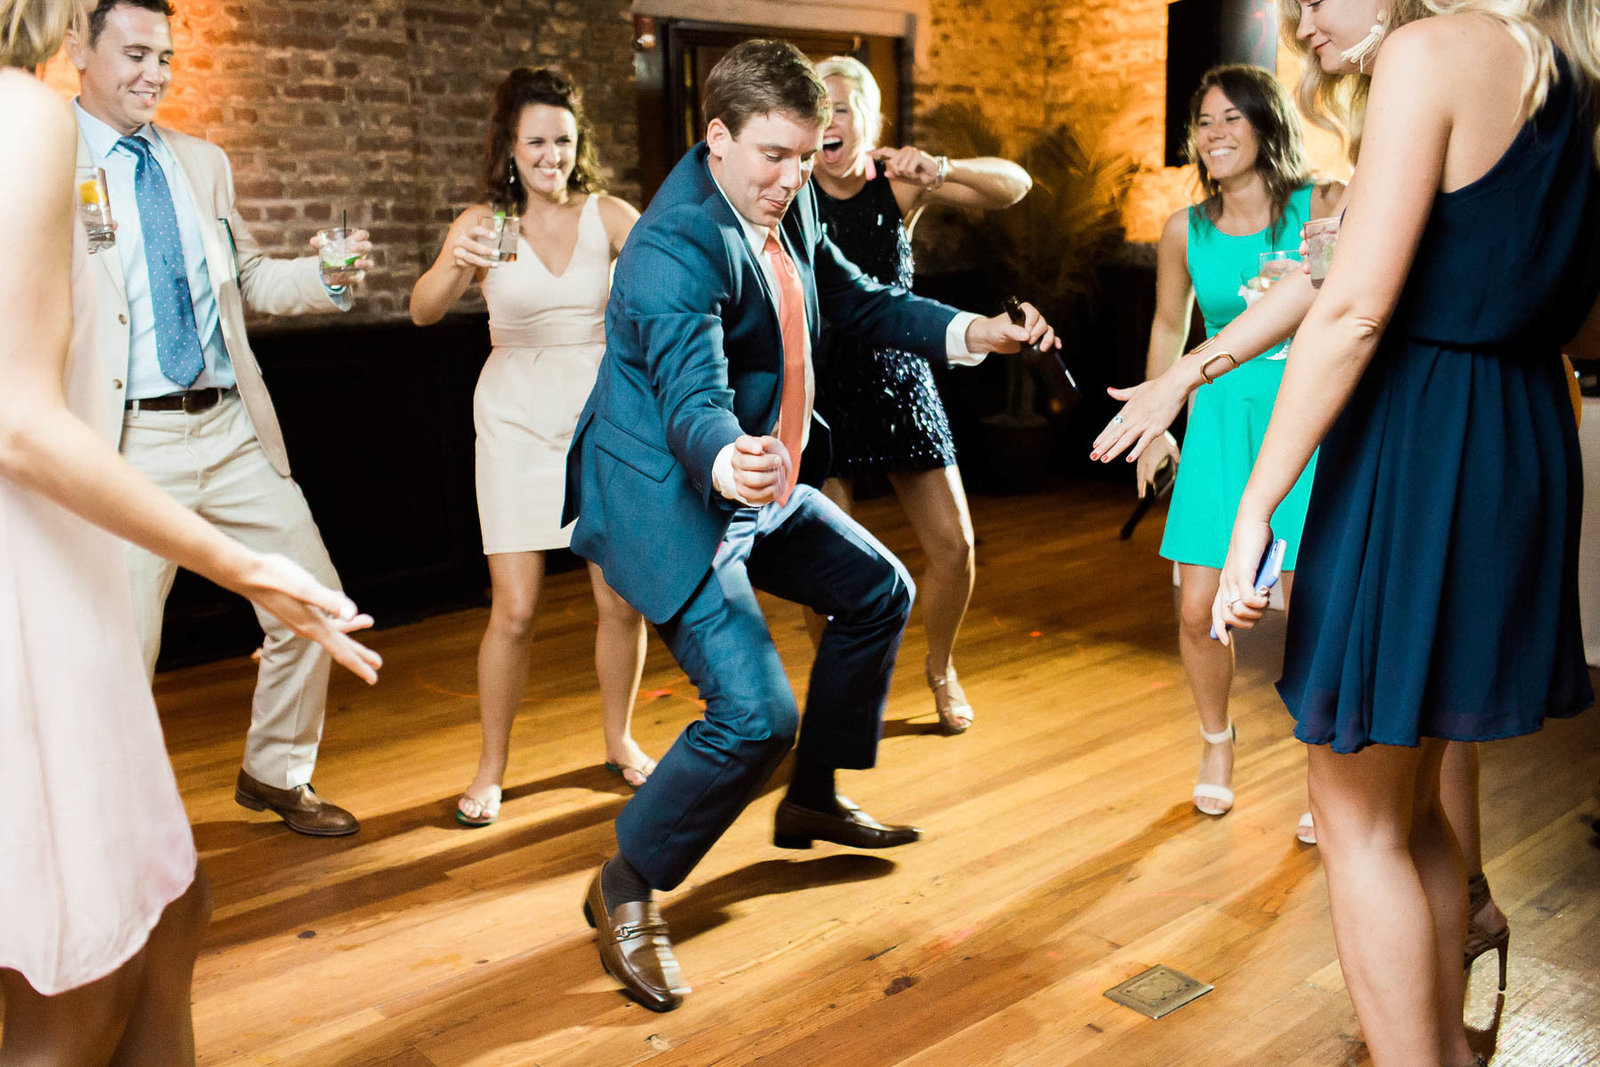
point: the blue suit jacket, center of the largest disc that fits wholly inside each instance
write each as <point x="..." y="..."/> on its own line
<point x="693" y="360"/>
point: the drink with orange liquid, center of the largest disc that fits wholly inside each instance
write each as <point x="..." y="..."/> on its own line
<point x="94" y="208"/>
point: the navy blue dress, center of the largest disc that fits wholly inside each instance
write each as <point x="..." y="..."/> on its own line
<point x="880" y="403"/>
<point x="1437" y="591"/>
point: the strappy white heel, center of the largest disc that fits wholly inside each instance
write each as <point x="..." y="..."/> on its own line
<point x="1220" y="796"/>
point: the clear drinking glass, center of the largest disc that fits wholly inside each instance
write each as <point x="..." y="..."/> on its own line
<point x="1271" y="268"/>
<point x="338" y="262"/>
<point x="94" y="207"/>
<point x="1275" y="265"/>
<point x="504" y="230"/>
<point x="1320" y="235"/>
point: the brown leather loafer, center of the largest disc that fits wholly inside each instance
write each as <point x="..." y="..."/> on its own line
<point x="301" y="808"/>
<point x="634" y="949"/>
<point x="797" y="827"/>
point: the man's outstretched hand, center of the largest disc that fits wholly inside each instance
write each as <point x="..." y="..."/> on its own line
<point x="998" y="334"/>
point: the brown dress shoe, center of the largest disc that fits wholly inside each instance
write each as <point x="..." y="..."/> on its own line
<point x="301" y="808"/>
<point x="797" y="827"/>
<point x="635" y="950"/>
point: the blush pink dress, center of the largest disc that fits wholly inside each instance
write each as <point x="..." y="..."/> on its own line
<point x="549" y="334"/>
<point x="94" y="840"/>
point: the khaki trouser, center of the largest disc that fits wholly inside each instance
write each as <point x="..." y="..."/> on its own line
<point x="211" y="462"/>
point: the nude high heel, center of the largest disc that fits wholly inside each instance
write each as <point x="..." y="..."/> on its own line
<point x="1220" y="795"/>
<point x="955" y="714"/>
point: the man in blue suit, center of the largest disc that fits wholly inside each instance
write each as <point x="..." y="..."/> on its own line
<point x="683" y="480"/>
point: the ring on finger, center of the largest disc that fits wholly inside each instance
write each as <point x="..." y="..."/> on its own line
<point x="1116" y="420"/>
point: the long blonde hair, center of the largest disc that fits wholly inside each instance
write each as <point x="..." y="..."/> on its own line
<point x="1338" y="102"/>
<point x="31" y="31"/>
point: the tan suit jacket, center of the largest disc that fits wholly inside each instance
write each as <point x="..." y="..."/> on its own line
<point x="240" y="275"/>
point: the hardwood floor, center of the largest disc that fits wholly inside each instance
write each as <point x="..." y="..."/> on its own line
<point x="1061" y="856"/>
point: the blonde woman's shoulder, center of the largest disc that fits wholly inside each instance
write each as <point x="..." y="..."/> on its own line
<point x="1447" y="44"/>
<point x="33" y="117"/>
<point x="26" y="98"/>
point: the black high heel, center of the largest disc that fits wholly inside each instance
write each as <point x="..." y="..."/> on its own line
<point x="1480" y="939"/>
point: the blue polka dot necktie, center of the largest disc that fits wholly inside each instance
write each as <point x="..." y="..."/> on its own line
<point x="177" y="339"/>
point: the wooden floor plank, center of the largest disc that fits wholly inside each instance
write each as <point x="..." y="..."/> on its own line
<point x="1061" y="856"/>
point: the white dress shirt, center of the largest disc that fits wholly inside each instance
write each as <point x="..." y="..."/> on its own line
<point x="955" y="344"/>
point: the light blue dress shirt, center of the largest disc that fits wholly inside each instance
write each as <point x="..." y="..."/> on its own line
<point x="145" y="379"/>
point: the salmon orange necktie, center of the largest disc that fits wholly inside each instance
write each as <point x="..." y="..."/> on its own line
<point x="792" y="414"/>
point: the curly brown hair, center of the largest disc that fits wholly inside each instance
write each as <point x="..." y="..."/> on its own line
<point x="1280" y="150"/>
<point x="523" y="87"/>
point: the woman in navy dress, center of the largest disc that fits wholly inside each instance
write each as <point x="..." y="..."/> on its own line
<point x="881" y="404"/>
<point x="1437" y="597"/>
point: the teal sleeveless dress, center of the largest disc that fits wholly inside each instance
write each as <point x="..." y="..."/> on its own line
<point x="1229" y="417"/>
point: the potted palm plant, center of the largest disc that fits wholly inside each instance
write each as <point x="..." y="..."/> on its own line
<point x="1047" y="250"/>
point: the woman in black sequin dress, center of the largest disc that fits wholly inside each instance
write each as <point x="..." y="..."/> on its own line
<point x="881" y="403"/>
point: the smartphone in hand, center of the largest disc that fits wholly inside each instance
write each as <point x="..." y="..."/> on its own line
<point x="1268" y="572"/>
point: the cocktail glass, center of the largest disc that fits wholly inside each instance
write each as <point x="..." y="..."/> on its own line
<point x="504" y="230"/>
<point x="94" y="208"/>
<point x="1320" y="235"/>
<point x="338" y="262"/>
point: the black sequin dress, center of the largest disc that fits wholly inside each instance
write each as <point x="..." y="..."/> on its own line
<point x="880" y="402"/>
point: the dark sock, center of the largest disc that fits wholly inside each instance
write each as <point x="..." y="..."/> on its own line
<point x="620" y="884"/>
<point x="811" y="786"/>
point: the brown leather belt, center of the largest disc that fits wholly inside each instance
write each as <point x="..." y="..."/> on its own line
<point x="191" y="401"/>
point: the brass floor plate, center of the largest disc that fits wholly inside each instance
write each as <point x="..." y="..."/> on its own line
<point x="1157" y="991"/>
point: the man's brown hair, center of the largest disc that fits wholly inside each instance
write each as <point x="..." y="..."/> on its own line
<point x="761" y="77"/>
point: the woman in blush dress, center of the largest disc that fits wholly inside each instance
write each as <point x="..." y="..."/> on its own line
<point x="881" y="404"/>
<point x="103" y="899"/>
<point x="547" y="322"/>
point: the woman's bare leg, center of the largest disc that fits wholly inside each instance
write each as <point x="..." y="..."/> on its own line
<point x="76" y="1028"/>
<point x="1209" y="665"/>
<point x="504" y="655"/>
<point x="936" y="503"/>
<point x="619" y="664"/>
<point x="136" y="1016"/>
<point x="1398" y="897"/>
<point x="160" y="1029"/>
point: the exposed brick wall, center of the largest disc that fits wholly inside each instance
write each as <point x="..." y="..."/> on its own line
<point x="1100" y="64"/>
<point x="379" y="108"/>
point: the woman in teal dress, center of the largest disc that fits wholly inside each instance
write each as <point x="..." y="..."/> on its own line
<point x="1244" y="138"/>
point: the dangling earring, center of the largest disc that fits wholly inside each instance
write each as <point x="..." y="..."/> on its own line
<point x="511" y="172"/>
<point x="1365" y="49"/>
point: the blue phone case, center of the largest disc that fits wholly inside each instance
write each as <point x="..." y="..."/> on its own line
<point x="1269" y="572"/>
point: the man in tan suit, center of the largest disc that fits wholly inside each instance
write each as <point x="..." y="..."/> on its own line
<point x="193" y="412"/>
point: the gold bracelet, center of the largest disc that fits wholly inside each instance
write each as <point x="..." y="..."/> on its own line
<point x="1206" y="366"/>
